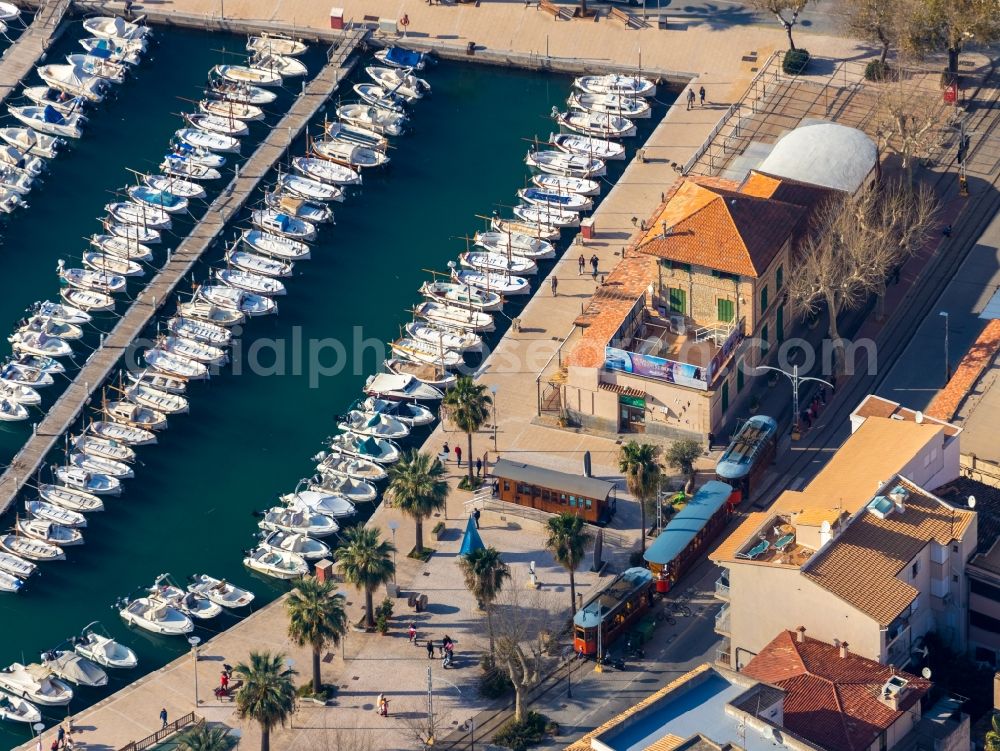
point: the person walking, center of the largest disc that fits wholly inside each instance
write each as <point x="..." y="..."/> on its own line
<point x="458" y="455"/>
<point x="475" y="515"/>
<point x="61" y="736"/>
<point x="555" y="286"/>
<point x="163" y="717"/>
<point x="224" y="682"/>
<point x="413" y="633"/>
<point x="690" y="98"/>
<point x="446" y="450"/>
<point x="701" y="95"/>
<point x="479" y="467"/>
<point x="430" y="649"/>
<point x="594" y="263"/>
<point x="581" y="262"/>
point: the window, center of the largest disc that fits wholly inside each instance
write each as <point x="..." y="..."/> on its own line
<point x="779" y="325"/>
<point x="984" y="622"/>
<point x="727" y="310"/>
<point x="723" y="275"/>
<point x="678" y="300"/>
<point x="590" y="504"/>
<point x="779" y="278"/>
<point x="954" y="578"/>
<point x="739" y="376"/>
<point x="764" y="346"/>
<point x="954" y="548"/>
<point x="984" y="590"/>
<point x="572" y="500"/>
<point x="914" y="569"/>
<point x="506" y="486"/>
<point x="763" y="298"/>
<point x="677" y="266"/>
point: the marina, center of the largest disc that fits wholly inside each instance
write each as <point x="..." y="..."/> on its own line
<point x="18" y="61"/>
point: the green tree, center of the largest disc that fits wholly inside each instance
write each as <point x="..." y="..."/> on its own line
<point x="875" y="21"/>
<point x="267" y="695"/>
<point x="950" y="25"/>
<point x="682" y="455"/>
<point x="317" y="617"/>
<point x="567" y="541"/>
<point x="417" y="487"/>
<point x="993" y="734"/>
<point x="786" y="11"/>
<point x="205" y="738"/>
<point x="638" y="463"/>
<point x="467" y="405"/>
<point x="485" y="572"/>
<point x="366" y="560"/>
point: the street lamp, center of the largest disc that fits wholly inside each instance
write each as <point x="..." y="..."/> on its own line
<point x="37" y="728"/>
<point x="393" y="525"/>
<point x="493" y="389"/>
<point x="947" y="361"/>
<point x="796" y="379"/>
<point x="194" y="641"/>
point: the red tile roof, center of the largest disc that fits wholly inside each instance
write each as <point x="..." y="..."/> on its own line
<point x="830" y="700"/>
<point x="976" y="361"/>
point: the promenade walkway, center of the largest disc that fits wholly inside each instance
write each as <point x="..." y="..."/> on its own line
<point x="68" y="406"/>
<point x="22" y="56"/>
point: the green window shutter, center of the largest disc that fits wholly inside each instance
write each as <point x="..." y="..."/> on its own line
<point x="739" y="376"/>
<point x="779" y="324"/>
<point x="763" y="299"/>
<point x="764" y="346"/>
<point x="678" y="300"/>
<point x="726" y="311"/>
<point x="725" y="396"/>
<point x="779" y="278"/>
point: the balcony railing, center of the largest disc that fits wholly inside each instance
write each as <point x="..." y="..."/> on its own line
<point x="723" y="654"/>
<point x="718" y="333"/>
<point x="722" y="621"/>
<point x="722" y="589"/>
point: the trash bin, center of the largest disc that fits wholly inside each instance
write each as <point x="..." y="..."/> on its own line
<point x="336" y="18"/>
<point x="587" y="228"/>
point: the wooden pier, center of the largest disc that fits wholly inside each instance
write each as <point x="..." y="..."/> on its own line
<point x="99" y="365"/>
<point x="22" y="56"/>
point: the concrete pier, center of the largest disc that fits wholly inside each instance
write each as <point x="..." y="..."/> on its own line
<point x="100" y="364"/>
<point x="22" y="56"/>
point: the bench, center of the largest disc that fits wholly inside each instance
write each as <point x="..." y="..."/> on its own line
<point x="549" y="7"/>
<point x="630" y="20"/>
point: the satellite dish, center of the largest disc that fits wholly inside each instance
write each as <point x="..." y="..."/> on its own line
<point x="824" y="528"/>
<point x="926" y="673"/>
<point x="972" y="501"/>
<point x="919" y="417"/>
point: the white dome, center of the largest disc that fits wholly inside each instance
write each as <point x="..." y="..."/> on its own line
<point x="826" y="154"/>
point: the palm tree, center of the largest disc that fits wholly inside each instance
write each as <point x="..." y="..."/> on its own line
<point x="637" y="461"/>
<point x="205" y="738"/>
<point x="366" y="560"/>
<point x="316" y="616"/>
<point x="468" y="406"/>
<point x="568" y="537"/>
<point x="485" y="573"/>
<point x="993" y="735"/>
<point x="417" y="487"/>
<point x="267" y="694"/>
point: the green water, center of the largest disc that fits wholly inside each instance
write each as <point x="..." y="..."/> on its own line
<point x="249" y="437"/>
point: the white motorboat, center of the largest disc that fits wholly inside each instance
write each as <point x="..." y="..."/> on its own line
<point x="189" y="603"/>
<point x="350" y="154"/>
<point x="116" y="431"/>
<point x="110" y="264"/>
<point x="596" y="124"/>
<point x="115" y="50"/>
<point x="98" y="67"/>
<point x="112" y="27"/>
<point x="14" y="708"/>
<point x="179" y="166"/>
<point x="88" y="300"/>
<point x="10" y="200"/>
<point x="279" y="564"/>
<point x="400" y="57"/>
<point x="350" y="466"/>
<point x="560" y="201"/>
<point x="448" y="338"/>
<point x="504" y="284"/>
<point x="299" y="521"/>
<point x="9" y="12"/>
<point x="348" y="488"/>
<point x="158" y="381"/>
<point x="276" y="45"/>
<point x="74" y="668"/>
<point x="20" y="375"/>
<point x="160" y="199"/>
<point x="35" y="683"/>
<point x="110" y="449"/>
<point x="101" y="465"/>
<point x="498" y="262"/>
<point x="11" y="411"/>
<point x="421" y="351"/>
<point x="49" y="120"/>
<point x="247" y="303"/>
<point x="122" y="247"/>
<point x="203" y="311"/>
<point x="220" y="591"/>
<point x="60" y="313"/>
<point x="614" y="83"/>
<point x="29" y="142"/>
<point x="448" y="315"/>
<point x="80" y="489"/>
<point x="200" y="331"/>
<point x="40" y="344"/>
<point x="344" y="131"/>
<point x="197" y="154"/>
<point x="280" y="223"/>
<point x="173" y="365"/>
<point x="228" y="110"/>
<point x="566" y="165"/>
<point x="546" y="216"/>
<point x="365" y="423"/>
<point x="301" y="208"/>
<point x="275" y="246"/>
<point x="96" y="645"/>
<point x="22" y="160"/>
<point x="141" y="214"/>
<point x="399" y="81"/>
<point x="49" y="512"/>
<point x="175" y="185"/>
<point x="210" y="140"/>
<point x="14" y="179"/>
<point x="287" y="67"/>
<point x="135" y="416"/>
<point x="378" y="450"/>
<point x="134" y="233"/>
<point x="154" y="615"/>
<point x="256" y="264"/>
<point x="325" y="171"/>
<point x="93" y="281"/>
<point x="19" y="394"/>
<point x="247" y="76"/>
<point x="50" y="532"/>
<point x="302" y="545"/>
<point x="375" y="95"/>
<point x="461" y="296"/>
<point x="62" y="101"/>
<point x="373" y="118"/>
<point x="75" y="83"/>
<point x="611" y="104"/>
<point x="326" y="503"/>
<point x="587" y="146"/>
<point x="400" y="387"/>
<point x="256" y="284"/>
<point x="214" y="124"/>
<point x="235" y="92"/>
<point x="16" y="566"/>
<point x="515" y="243"/>
<point x="408" y="413"/>
<point x="194" y="350"/>
<point x="31" y="548"/>
<point x="306" y="187"/>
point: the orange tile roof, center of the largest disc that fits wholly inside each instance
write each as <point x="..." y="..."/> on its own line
<point x="721" y="229"/>
<point x="862" y="564"/>
<point x="982" y="352"/>
<point x="830" y="700"/>
<point x="878" y="406"/>
<point x="786" y="190"/>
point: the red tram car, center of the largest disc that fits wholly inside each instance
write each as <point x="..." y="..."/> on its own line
<point x="612" y="611"/>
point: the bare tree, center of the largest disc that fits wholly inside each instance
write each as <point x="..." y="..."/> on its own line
<point x="426" y="729"/>
<point x="350" y="739"/>
<point x="910" y="122"/>
<point x="855" y="244"/>
<point x="786" y="11"/>
<point x="875" y="21"/>
<point x="522" y="620"/>
<point x="950" y="25"/>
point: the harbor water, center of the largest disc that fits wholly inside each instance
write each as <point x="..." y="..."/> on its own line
<point x="249" y="436"/>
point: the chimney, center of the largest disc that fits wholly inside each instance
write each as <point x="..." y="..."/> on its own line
<point x="843" y="649"/>
<point x="802" y="634"/>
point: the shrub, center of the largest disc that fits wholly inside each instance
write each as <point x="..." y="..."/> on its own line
<point x="382" y="615"/>
<point x="438" y="528"/>
<point x="464" y="483"/>
<point x="519" y="736"/>
<point x="493" y="683"/>
<point x="876" y="70"/>
<point x="795" y="62"/>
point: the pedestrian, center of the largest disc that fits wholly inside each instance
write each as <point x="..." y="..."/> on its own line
<point x="61" y="735"/>
<point x="555" y="286"/>
<point x="701" y="95"/>
<point x="479" y="467"/>
<point x="413" y="633"/>
<point x="444" y="644"/>
<point x="55" y="744"/>
<point x="690" y="98"/>
<point x="581" y="262"/>
<point x="475" y="515"/>
<point x="224" y="681"/>
<point x="430" y="649"/>
<point x="69" y="743"/>
<point x="163" y="717"/>
<point x="446" y="451"/>
<point x="594" y="263"/>
<point x="711" y="440"/>
<point x="458" y="455"/>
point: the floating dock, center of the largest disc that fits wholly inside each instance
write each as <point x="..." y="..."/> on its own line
<point x="23" y="55"/>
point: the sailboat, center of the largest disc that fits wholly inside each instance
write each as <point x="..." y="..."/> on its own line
<point x="544" y="215"/>
<point x="236" y="299"/>
<point x="105" y="448"/>
<point x="154" y="399"/>
<point x="498" y="262"/>
<point x="175" y="185"/>
<point x="587" y="146"/>
<point x="135" y="416"/>
<point x="615" y="83"/>
<point x="215" y="124"/>
<point x="109" y="264"/>
<point x="567" y="165"/>
<point x="287" y="67"/>
<point x="100" y="465"/>
<point x="256" y="264"/>
<point x="449" y="338"/>
<point x="611" y="104"/>
<point x="242" y="74"/>
<point x="93" y="281"/>
<point x="140" y="214"/>
<point x="298" y="207"/>
<point x="49" y="512"/>
<point x="116" y="431"/>
<point x="193" y="350"/>
<point x="205" y="311"/>
<point x="206" y="139"/>
<point x="229" y="91"/>
<point x="201" y="331"/>
<point x="502" y="283"/>
<point x="31" y="549"/>
<point x="158" y="381"/>
<point x="174" y="365"/>
<point x="121" y="247"/>
<point x="558" y="201"/>
<point x="306" y="187"/>
<point x="179" y="166"/>
<point x="325" y="171"/>
<point x="88" y="300"/>
<point x="353" y="155"/>
<point x="160" y="199"/>
<point x="449" y="315"/>
<point x="276" y="246"/>
<point x="251" y="283"/>
<point x="461" y="296"/>
<point x="596" y="124"/>
<point x="231" y="110"/>
<point x="276" y="45"/>
<point x="516" y="243"/>
<point x="426" y="352"/>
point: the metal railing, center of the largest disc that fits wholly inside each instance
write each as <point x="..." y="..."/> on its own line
<point x="722" y="621"/>
<point x="721" y="590"/>
<point x="169" y="729"/>
<point x="717" y="333"/>
<point x="485" y="501"/>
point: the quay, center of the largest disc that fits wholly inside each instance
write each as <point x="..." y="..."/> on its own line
<point x="100" y="363"/>
<point x="22" y="56"/>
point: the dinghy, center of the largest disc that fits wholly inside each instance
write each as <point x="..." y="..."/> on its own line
<point x="208" y="140"/>
<point x="544" y="216"/>
<point x="172" y="365"/>
<point x="449" y="315"/>
<point x="235" y="299"/>
<point x="241" y="74"/>
<point x="324" y="503"/>
<point x="461" y="296"/>
<point x="74" y="668"/>
<point x="79" y="489"/>
<point x="122" y="247"/>
<point x="587" y="146"/>
<point x="298" y="521"/>
<point x="141" y="214"/>
<point x="49" y="512"/>
<point x="93" y="281"/>
<point x="179" y="166"/>
<point x="35" y="683"/>
<point x="49" y="120"/>
<point x="24" y="376"/>
<point x="235" y="92"/>
<point x="75" y="83"/>
<point x="160" y="401"/>
<point x="116" y="431"/>
<point x="174" y="185"/>
<point x="377" y="119"/>
<point x="355" y="491"/>
<point x="96" y="644"/>
<point x="256" y="284"/>
<point x="279" y="564"/>
<point x="351" y="466"/>
<point x="279" y="223"/>
<point x="498" y="262"/>
<point x="256" y="264"/>
<point x="558" y="201"/>
<point x="11" y="411"/>
<point x="276" y="45"/>
<point x="567" y="165"/>
<point x="596" y="124"/>
<point x="40" y="344"/>
<point x="203" y="311"/>
<point x="102" y="466"/>
<point x="611" y="104"/>
<point x="50" y="532"/>
<point x="189" y="603"/>
<point x="16" y="566"/>
<point x="400" y="57"/>
<point x="375" y="95"/>
<point x="448" y="338"/>
<point x="373" y="424"/>
<point x="220" y="591"/>
<point x="231" y="110"/>
<point x="116" y="451"/>
<point x="110" y="264"/>
<point x="377" y="450"/>
<point x="14" y="708"/>
<point x="302" y="545"/>
<point x="200" y="331"/>
<point x="31" y="549"/>
<point x="92" y="302"/>
<point x="214" y="124"/>
<point x="98" y="67"/>
<point x="112" y="27"/>
<point x="29" y="142"/>
<point x="287" y="67"/>
<point x="421" y="351"/>
<point x="325" y="171"/>
<point x="160" y="199"/>
<point x="274" y="245"/>
<point x="308" y="188"/>
<point x="400" y="387"/>
<point x="156" y="616"/>
<point x="399" y="82"/>
<point x="158" y="381"/>
<point x="300" y="208"/>
<point x="192" y="350"/>
<point x="350" y="154"/>
<point x="516" y="243"/>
